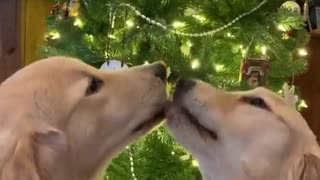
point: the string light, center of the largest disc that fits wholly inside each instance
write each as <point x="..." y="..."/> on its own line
<point x="219" y="67"/>
<point x="172" y="153"/>
<point x="195" y="64"/>
<point x="199" y="18"/>
<point x="129" y="23"/>
<point x="89" y="37"/>
<point x="264" y="50"/>
<point x="146" y="63"/>
<point x="195" y="163"/>
<point x="53" y="35"/>
<point x="203" y="34"/>
<point x="78" y="22"/>
<point x="302" y="104"/>
<point x="302" y="52"/>
<point x="189" y="44"/>
<point x="281" y="27"/>
<point x="178" y="24"/>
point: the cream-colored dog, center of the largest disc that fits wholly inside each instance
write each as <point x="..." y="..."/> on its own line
<point x="251" y="135"/>
<point x="61" y="119"/>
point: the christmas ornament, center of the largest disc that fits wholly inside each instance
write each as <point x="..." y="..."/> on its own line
<point x="55" y="8"/>
<point x="74" y="7"/>
<point x="113" y="65"/>
<point x="289" y="95"/>
<point x="291" y="5"/>
<point x="254" y="71"/>
<point x="65" y="10"/>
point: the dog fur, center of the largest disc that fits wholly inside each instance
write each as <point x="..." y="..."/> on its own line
<point x="252" y="135"/>
<point x="61" y="119"/>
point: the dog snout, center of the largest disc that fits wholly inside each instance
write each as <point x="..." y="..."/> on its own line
<point x="183" y="86"/>
<point x="159" y="70"/>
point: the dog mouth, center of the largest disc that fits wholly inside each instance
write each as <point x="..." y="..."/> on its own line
<point x="197" y="124"/>
<point x="151" y="122"/>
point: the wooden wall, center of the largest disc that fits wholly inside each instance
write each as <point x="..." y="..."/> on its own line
<point x="10" y="37"/>
<point x="34" y="27"/>
<point x="309" y="85"/>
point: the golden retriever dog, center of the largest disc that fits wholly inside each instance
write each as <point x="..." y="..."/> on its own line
<point x="61" y="119"/>
<point x="252" y="135"/>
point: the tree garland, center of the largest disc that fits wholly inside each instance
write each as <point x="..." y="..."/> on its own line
<point x="204" y="34"/>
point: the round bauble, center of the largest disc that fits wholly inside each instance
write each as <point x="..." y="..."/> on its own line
<point x="291" y="5"/>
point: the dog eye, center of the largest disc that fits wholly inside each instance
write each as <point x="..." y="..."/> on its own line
<point x="257" y="102"/>
<point x="94" y="86"/>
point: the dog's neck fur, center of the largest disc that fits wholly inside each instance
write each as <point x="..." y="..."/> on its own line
<point x="288" y="169"/>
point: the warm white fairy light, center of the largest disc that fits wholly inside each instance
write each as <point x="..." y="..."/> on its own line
<point x="129" y="23"/>
<point x="302" y="104"/>
<point x="54" y="35"/>
<point x="172" y="152"/>
<point x="189" y="44"/>
<point x="264" y="50"/>
<point x="199" y="17"/>
<point x="195" y="64"/>
<point x="78" y="22"/>
<point x="281" y="27"/>
<point x="244" y="52"/>
<point x="219" y="67"/>
<point x="302" y="52"/>
<point x="146" y="63"/>
<point x="111" y="36"/>
<point x="195" y="163"/>
<point x="178" y="24"/>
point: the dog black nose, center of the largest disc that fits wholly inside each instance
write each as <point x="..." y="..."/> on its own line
<point x="159" y="70"/>
<point x="184" y="85"/>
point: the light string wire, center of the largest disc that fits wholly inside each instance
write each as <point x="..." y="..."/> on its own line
<point x="203" y="34"/>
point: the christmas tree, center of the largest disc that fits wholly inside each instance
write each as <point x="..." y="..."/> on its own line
<point x="233" y="44"/>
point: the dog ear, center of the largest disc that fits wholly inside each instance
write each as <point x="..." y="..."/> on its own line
<point x="310" y="168"/>
<point x="24" y="161"/>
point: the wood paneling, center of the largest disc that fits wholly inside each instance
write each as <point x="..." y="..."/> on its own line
<point x="34" y="20"/>
<point x="309" y="84"/>
<point x="10" y="26"/>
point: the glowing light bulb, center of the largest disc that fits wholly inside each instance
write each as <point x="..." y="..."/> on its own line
<point x="54" y="35"/>
<point x="264" y="50"/>
<point x="172" y="153"/>
<point x="303" y="104"/>
<point x="146" y="63"/>
<point x="195" y="163"/>
<point x="129" y="23"/>
<point x="195" y="64"/>
<point x="200" y="18"/>
<point x="280" y="91"/>
<point x="219" y="67"/>
<point x="188" y="43"/>
<point x="244" y="52"/>
<point x="78" y="22"/>
<point x="178" y="24"/>
<point x="281" y="27"/>
<point x="302" y="52"/>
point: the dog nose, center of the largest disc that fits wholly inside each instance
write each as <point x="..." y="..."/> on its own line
<point x="184" y="85"/>
<point x="159" y="70"/>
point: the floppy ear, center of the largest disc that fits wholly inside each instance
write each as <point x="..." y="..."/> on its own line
<point x="24" y="163"/>
<point x="311" y="167"/>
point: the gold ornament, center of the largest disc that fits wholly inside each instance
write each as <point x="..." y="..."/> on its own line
<point x="74" y="7"/>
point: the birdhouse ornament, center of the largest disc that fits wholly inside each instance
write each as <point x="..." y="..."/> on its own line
<point x="254" y="72"/>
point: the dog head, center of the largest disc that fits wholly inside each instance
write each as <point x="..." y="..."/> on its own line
<point x="83" y="115"/>
<point x="242" y="135"/>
